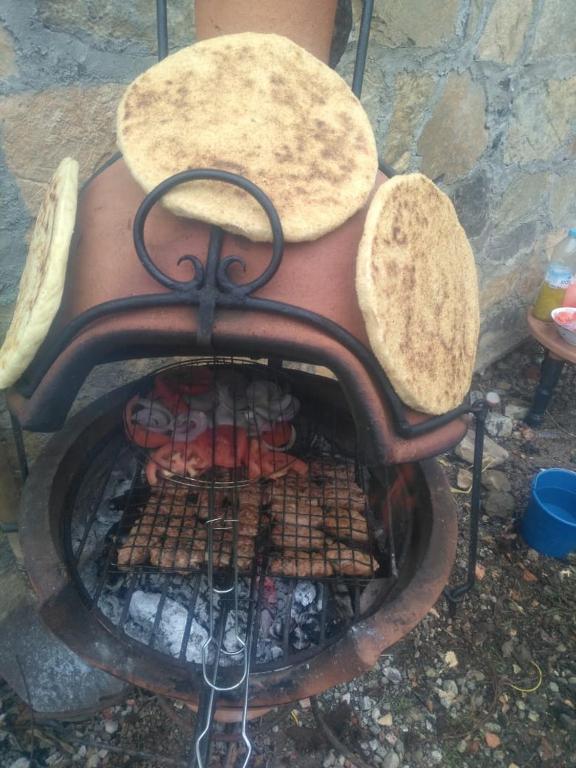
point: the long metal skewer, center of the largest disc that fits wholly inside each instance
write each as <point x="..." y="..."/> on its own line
<point x="241" y="645"/>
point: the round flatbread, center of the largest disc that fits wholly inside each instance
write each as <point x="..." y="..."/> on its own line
<point x="42" y="281"/>
<point x="259" y="106"/>
<point x="418" y="291"/>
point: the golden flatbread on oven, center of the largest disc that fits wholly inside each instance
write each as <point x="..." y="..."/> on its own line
<point x="42" y="281"/>
<point x="260" y="106"/>
<point x="418" y="291"/>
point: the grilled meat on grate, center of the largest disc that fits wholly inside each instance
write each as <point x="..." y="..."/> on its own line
<point x="315" y="526"/>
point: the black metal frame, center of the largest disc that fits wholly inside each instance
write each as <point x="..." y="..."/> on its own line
<point x="455" y="594"/>
<point x="550" y="371"/>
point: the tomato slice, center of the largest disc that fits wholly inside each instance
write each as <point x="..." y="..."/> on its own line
<point x="172" y="386"/>
<point x="278" y="435"/>
<point x="145" y="438"/>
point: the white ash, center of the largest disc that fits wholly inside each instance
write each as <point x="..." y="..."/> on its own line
<point x="111" y="607"/>
<point x="235" y="633"/>
<point x="172" y="625"/>
<point x="267" y="651"/>
<point x="266" y="622"/>
<point x="304" y="593"/>
<point x="100" y="518"/>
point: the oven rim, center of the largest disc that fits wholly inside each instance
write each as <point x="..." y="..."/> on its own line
<point x="63" y="610"/>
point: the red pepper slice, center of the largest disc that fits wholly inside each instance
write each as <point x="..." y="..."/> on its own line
<point x="231" y="448"/>
<point x="278" y="435"/>
<point x="265" y="463"/>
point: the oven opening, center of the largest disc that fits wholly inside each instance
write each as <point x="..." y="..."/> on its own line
<point x="225" y="518"/>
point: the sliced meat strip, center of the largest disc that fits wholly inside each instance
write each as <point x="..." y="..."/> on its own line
<point x="346" y="524"/>
<point x="297" y="537"/>
<point x="180" y="556"/>
<point x="295" y="486"/>
<point x="306" y="518"/>
<point x="294" y="563"/>
<point x="350" y="562"/>
<point x="182" y="544"/>
<point x="223" y="546"/>
<point x="343" y="493"/>
<point x="327" y="470"/>
<point x="172" y="499"/>
<point x="292" y="503"/>
<point x="144" y="534"/>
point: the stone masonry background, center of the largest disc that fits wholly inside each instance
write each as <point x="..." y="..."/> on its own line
<point x="480" y="95"/>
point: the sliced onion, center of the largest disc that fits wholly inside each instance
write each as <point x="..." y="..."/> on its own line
<point x="152" y="415"/>
<point x="261" y="393"/>
<point x="280" y="410"/>
<point x="233" y="380"/>
<point x="285" y="447"/>
<point x="187" y="426"/>
<point x="224" y="415"/>
<point x="257" y="422"/>
<point x="231" y="397"/>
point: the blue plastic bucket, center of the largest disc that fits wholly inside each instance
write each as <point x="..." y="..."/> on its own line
<point x="549" y="523"/>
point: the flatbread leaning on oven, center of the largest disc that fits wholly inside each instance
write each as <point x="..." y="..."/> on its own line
<point x="42" y="281"/>
<point x="260" y="106"/>
<point x="418" y="291"/>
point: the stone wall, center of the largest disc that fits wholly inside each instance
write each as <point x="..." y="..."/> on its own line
<point x="478" y="94"/>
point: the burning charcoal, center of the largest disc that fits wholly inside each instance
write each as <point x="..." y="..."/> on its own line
<point x="198" y="636"/>
<point x="143" y="609"/>
<point x="299" y="639"/>
<point x="267" y="651"/>
<point x="305" y="593"/>
<point x="111" y="607"/>
<point x="235" y="635"/>
<point x="305" y="632"/>
<point x="277" y="629"/>
<point x="343" y="600"/>
<point x="233" y="643"/>
<point x="266" y="622"/>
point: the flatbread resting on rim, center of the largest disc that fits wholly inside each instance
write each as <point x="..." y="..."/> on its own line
<point x="42" y="281"/>
<point x="260" y="106"/>
<point x="418" y="291"/>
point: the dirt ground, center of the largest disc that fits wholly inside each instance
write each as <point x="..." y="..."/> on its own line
<point x="495" y="685"/>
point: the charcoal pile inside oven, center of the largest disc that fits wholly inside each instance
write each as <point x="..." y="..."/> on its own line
<point x="169" y="611"/>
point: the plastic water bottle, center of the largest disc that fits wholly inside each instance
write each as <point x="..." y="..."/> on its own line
<point x="558" y="278"/>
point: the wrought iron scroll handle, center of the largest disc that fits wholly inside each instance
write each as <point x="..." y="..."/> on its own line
<point x="215" y="278"/>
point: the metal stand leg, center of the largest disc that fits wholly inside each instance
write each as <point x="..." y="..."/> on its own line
<point x="20" y="447"/>
<point x="550" y="372"/>
<point x="162" y="28"/>
<point x="455" y="594"/>
<point x="362" y="47"/>
<point x="334" y="741"/>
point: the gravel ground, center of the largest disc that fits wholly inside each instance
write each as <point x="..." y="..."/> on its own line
<point x="495" y="685"/>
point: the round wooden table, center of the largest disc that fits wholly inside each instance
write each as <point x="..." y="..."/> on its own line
<point x="557" y="353"/>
